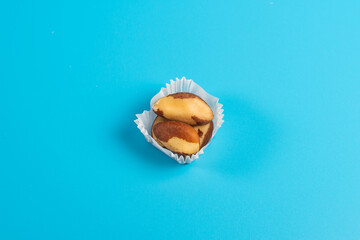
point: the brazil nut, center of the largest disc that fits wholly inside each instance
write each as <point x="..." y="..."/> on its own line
<point x="204" y="131"/>
<point x="178" y="137"/>
<point x="184" y="107"/>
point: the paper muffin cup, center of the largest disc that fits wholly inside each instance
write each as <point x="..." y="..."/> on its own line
<point x="145" y="120"/>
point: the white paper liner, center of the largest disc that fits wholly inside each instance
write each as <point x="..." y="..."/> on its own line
<point x="145" y="120"/>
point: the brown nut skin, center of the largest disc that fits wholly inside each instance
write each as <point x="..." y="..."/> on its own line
<point x="204" y="131"/>
<point x="157" y="120"/>
<point x="184" y="107"/>
<point x="178" y="137"/>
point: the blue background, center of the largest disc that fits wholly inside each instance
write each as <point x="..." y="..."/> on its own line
<point x="285" y="164"/>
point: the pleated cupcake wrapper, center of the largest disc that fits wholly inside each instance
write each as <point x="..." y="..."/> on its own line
<point x="145" y="120"/>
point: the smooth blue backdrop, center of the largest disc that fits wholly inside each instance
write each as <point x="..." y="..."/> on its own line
<point x="285" y="164"/>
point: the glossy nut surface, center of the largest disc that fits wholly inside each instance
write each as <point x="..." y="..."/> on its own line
<point x="184" y="107"/>
<point x="178" y="137"/>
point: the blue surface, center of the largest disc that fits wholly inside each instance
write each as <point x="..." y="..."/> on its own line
<point x="285" y="164"/>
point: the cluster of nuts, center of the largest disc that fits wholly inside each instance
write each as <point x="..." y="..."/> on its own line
<point x="184" y="123"/>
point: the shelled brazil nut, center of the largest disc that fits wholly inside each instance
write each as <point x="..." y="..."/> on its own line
<point x="204" y="131"/>
<point x="178" y="137"/>
<point x="184" y="107"/>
